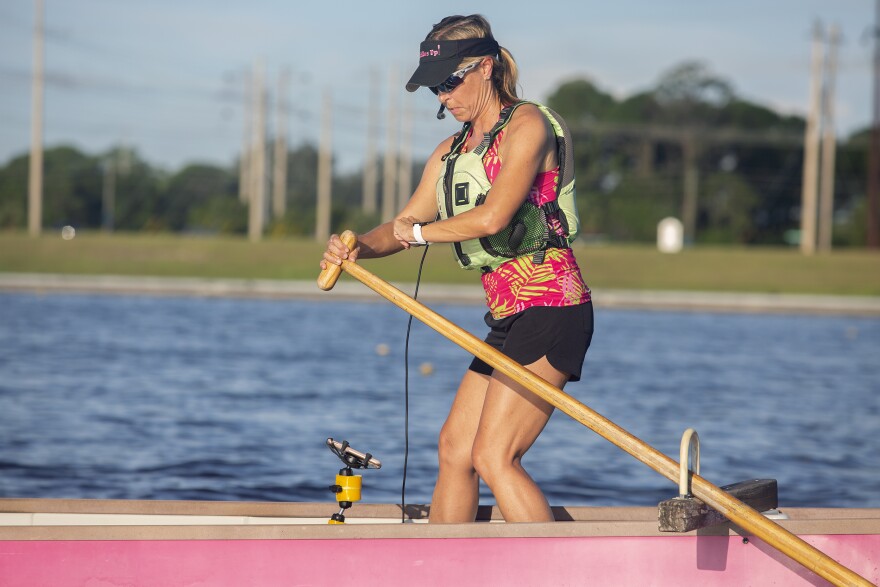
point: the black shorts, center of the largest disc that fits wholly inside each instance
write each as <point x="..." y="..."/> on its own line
<point x="562" y="333"/>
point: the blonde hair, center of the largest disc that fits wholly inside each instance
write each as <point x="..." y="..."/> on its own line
<point x="475" y="26"/>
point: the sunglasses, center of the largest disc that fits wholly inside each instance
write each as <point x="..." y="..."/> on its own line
<point x="454" y="80"/>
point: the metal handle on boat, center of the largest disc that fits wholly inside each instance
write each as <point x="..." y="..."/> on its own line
<point x="735" y="510"/>
<point x="690" y="439"/>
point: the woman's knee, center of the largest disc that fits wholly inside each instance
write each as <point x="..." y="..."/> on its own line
<point x="452" y="453"/>
<point x="491" y="462"/>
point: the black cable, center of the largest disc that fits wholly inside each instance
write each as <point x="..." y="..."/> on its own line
<point x="406" y="394"/>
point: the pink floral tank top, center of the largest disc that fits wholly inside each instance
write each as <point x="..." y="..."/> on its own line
<point x="521" y="283"/>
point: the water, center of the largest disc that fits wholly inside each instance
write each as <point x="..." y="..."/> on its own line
<point x="184" y="398"/>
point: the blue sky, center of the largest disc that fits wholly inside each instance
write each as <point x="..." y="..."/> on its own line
<point x="165" y="76"/>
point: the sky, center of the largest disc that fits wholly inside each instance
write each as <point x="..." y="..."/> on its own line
<point x="167" y="77"/>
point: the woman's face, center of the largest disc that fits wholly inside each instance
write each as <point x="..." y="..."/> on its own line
<point x="465" y="99"/>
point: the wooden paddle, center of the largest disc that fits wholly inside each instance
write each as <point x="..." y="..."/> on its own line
<point x="732" y="508"/>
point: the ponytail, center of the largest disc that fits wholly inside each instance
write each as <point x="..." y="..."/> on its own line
<point x="504" y="77"/>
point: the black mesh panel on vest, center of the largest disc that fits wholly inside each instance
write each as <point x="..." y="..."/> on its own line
<point x="527" y="233"/>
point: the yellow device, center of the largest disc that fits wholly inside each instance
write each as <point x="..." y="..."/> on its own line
<point x="348" y="485"/>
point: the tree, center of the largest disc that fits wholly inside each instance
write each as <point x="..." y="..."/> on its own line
<point x="186" y="199"/>
<point x="642" y="136"/>
<point x="727" y="208"/>
<point x="851" y="197"/>
<point x="690" y="93"/>
<point x="637" y="204"/>
<point x="739" y="113"/>
<point x="138" y="197"/>
<point x="579" y="100"/>
<point x="13" y="193"/>
<point x="302" y="189"/>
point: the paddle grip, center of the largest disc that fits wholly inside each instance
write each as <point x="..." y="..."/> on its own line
<point x="327" y="278"/>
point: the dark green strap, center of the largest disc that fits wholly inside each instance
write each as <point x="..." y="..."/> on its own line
<point x="503" y="120"/>
<point x="489" y="137"/>
<point x="458" y="141"/>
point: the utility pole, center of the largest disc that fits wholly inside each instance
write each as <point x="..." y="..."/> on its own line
<point x="279" y="168"/>
<point x="690" y="152"/>
<point x="829" y="146"/>
<point x="390" y="163"/>
<point x="244" y="180"/>
<point x="108" y="200"/>
<point x="257" y="201"/>
<point x="645" y="165"/>
<point x="370" y="174"/>
<point x="874" y="150"/>
<point x="325" y="171"/>
<point x="811" y="149"/>
<point x="404" y="169"/>
<point x="35" y="175"/>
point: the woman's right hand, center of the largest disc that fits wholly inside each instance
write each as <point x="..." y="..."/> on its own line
<point x="337" y="251"/>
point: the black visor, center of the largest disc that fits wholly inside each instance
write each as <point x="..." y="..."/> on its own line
<point x="439" y="59"/>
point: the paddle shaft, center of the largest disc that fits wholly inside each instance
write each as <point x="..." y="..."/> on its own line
<point x="732" y="508"/>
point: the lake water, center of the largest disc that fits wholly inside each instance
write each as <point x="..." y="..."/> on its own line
<point x="188" y="398"/>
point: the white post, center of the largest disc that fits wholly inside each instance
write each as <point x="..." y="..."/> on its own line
<point x="670" y="235"/>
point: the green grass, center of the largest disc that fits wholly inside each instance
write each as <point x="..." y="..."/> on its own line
<point x="736" y="269"/>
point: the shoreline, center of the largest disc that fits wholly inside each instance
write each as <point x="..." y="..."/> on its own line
<point x="350" y="289"/>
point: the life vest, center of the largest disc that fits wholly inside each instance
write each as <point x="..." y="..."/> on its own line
<point x="463" y="185"/>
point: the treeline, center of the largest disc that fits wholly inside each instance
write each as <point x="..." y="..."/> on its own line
<point x="687" y="145"/>
<point x="199" y="198"/>
<point x="638" y="157"/>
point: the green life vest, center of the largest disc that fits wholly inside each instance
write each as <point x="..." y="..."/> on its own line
<point x="463" y="184"/>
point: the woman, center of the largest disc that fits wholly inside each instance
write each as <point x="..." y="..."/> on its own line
<point x="540" y="312"/>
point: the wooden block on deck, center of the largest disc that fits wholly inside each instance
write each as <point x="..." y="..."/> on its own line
<point x="689" y="513"/>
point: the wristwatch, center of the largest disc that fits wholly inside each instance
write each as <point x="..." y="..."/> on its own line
<point x="418" y="239"/>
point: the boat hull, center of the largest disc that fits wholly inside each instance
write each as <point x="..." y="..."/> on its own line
<point x="154" y="543"/>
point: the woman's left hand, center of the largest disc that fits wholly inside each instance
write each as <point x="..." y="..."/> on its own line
<point x="403" y="231"/>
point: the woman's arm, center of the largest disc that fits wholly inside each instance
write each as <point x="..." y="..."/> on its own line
<point x="382" y="241"/>
<point x="529" y="147"/>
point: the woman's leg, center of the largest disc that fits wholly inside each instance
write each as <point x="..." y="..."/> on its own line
<point x="456" y="495"/>
<point x="511" y="420"/>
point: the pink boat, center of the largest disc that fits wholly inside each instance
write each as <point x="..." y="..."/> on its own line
<point x="61" y="543"/>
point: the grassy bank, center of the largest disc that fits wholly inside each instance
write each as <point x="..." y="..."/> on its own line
<point x="606" y="266"/>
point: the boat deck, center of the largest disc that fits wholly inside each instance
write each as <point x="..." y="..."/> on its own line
<point x="84" y="519"/>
